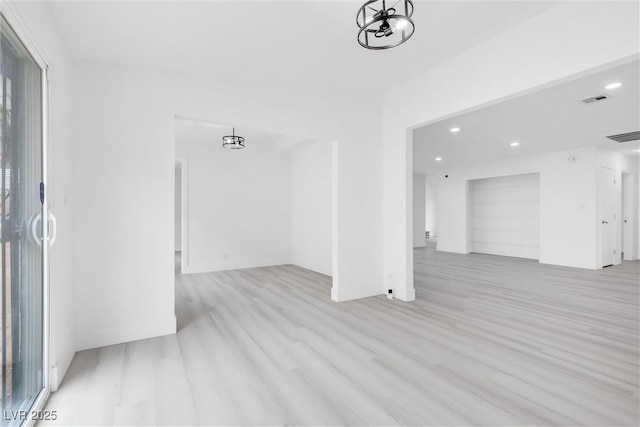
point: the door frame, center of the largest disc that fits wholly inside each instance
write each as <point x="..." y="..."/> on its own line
<point x="184" y="212"/>
<point x="628" y="203"/>
<point x="12" y="16"/>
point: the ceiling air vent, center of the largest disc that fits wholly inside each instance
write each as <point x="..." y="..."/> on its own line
<point x="626" y="137"/>
<point x="595" y="99"/>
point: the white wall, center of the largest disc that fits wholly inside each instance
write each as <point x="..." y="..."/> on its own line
<point x="123" y="170"/>
<point x="178" y="209"/>
<point x="357" y="218"/>
<point x="568" y="39"/>
<point x="311" y="207"/>
<point x="619" y="163"/>
<point x="419" y="204"/>
<point x="567" y="205"/>
<point x="124" y="145"/>
<point x="33" y="20"/>
<point x="431" y="219"/>
<point x="238" y="206"/>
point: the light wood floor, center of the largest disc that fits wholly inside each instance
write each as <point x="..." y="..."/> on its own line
<point x="489" y="341"/>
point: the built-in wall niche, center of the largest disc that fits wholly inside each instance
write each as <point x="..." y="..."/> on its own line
<point x="504" y="216"/>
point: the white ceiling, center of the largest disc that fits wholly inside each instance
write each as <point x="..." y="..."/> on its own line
<point x="549" y="120"/>
<point x="293" y="43"/>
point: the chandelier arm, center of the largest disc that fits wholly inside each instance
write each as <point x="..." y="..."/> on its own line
<point x="362" y="11"/>
<point x="394" y="5"/>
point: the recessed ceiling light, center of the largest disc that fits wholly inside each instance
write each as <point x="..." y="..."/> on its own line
<point x="438" y="159"/>
<point x="454" y="130"/>
<point x="615" y="85"/>
<point x="514" y="144"/>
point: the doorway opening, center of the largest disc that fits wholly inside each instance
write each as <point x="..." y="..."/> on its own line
<point x="424" y="211"/>
<point x="501" y="140"/>
<point x="269" y="204"/>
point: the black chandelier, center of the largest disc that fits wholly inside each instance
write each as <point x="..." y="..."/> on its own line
<point x="234" y="141"/>
<point x="383" y="27"/>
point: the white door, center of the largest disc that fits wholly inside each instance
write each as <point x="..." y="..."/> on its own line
<point x="607" y="193"/>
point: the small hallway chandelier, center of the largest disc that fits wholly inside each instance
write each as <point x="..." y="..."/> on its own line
<point x="383" y="27"/>
<point x="234" y="141"/>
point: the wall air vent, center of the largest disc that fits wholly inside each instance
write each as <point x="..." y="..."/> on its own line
<point x="625" y="137"/>
<point x="596" y="99"/>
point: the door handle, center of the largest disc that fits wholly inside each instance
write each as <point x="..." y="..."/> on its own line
<point x="34" y="228"/>
<point x="604" y="222"/>
<point x="53" y="230"/>
<point x="51" y="235"/>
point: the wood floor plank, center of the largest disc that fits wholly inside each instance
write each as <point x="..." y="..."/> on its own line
<point x="489" y="341"/>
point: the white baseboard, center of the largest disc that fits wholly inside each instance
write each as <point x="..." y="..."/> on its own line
<point x="314" y="268"/>
<point x="57" y="372"/>
<point x="339" y="296"/>
<point x="563" y="263"/>
<point x="126" y="333"/>
<point x="234" y="265"/>
<point x="411" y="295"/>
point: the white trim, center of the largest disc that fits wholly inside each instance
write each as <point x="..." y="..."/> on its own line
<point x="234" y="265"/>
<point x="184" y="213"/>
<point x="334" y="222"/>
<point x="15" y="20"/>
<point x="46" y="332"/>
<point x="59" y="370"/>
<point x="119" y="334"/>
<point x="350" y="295"/>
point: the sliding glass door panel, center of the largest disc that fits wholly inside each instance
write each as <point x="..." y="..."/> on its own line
<point x="21" y="136"/>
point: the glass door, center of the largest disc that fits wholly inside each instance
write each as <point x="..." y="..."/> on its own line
<point x="22" y="209"/>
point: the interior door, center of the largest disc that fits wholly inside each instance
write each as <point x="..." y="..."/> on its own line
<point x="22" y="252"/>
<point x="607" y="184"/>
